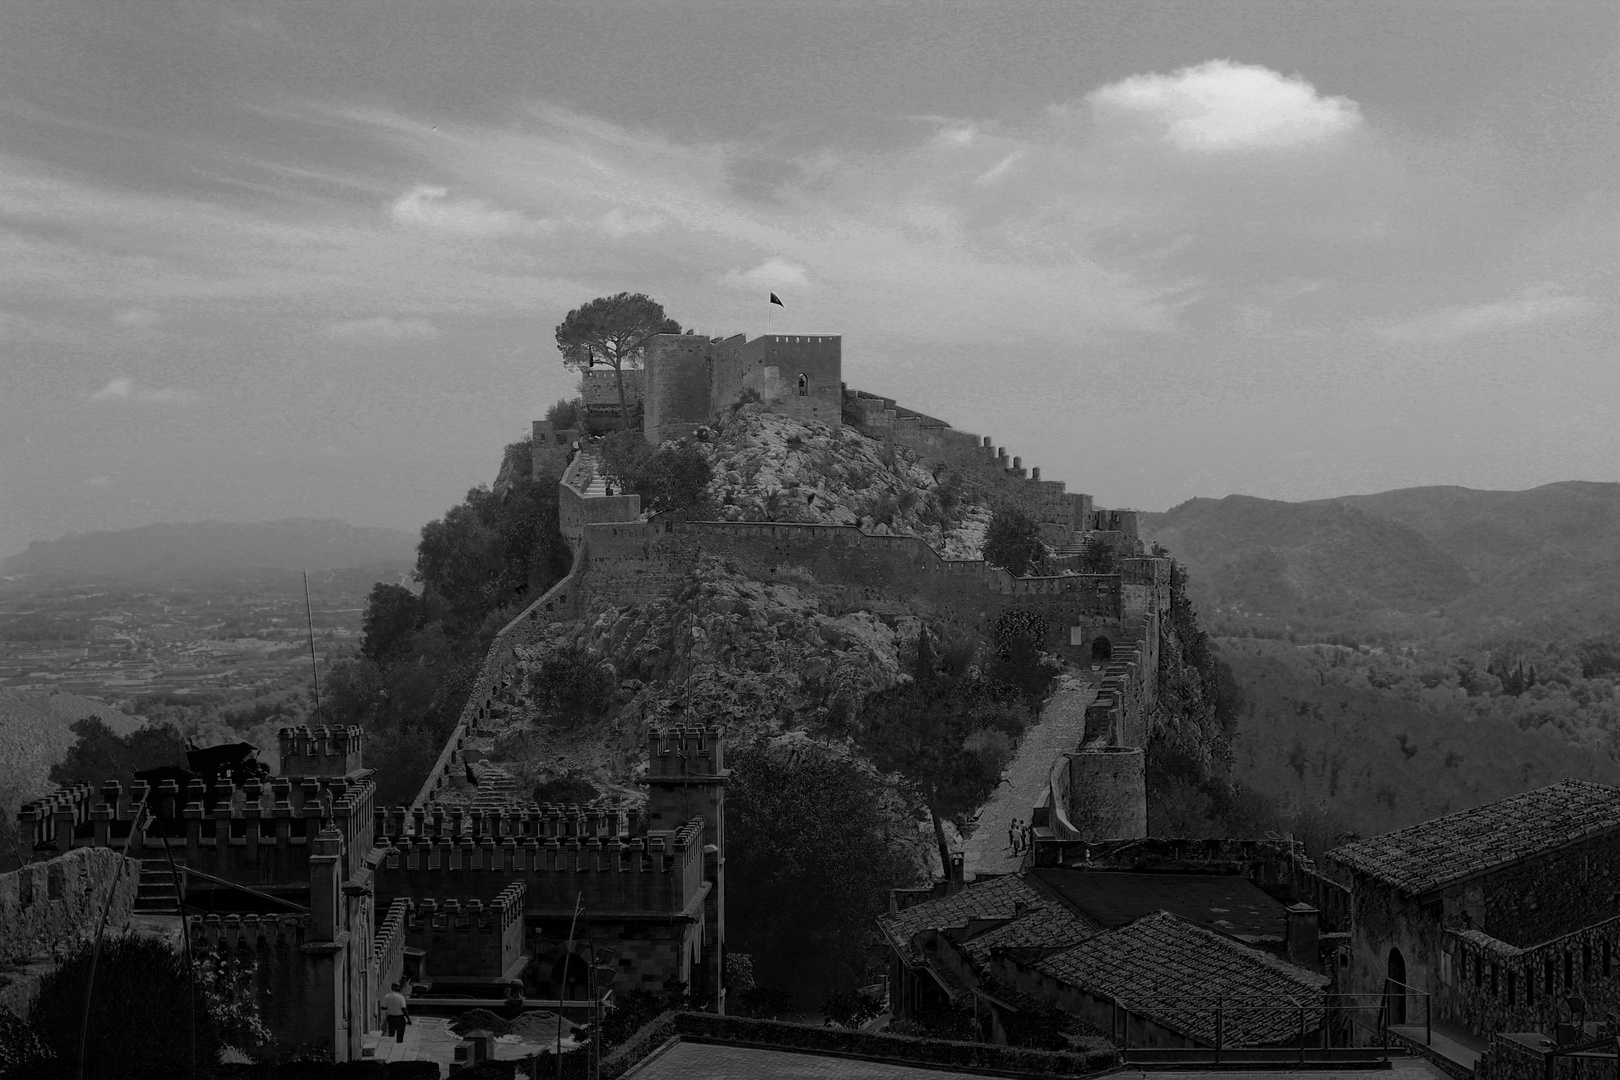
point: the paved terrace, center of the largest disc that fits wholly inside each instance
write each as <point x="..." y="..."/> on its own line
<point x="1061" y="728"/>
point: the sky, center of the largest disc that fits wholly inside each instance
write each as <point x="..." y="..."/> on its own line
<point x="305" y="260"/>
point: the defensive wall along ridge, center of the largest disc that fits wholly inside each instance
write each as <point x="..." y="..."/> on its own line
<point x="1107" y="622"/>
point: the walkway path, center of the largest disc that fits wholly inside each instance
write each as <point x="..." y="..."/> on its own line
<point x="1061" y="728"/>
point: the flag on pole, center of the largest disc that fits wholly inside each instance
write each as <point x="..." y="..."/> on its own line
<point x="777" y="300"/>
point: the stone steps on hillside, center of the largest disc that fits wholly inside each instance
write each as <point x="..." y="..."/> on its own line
<point x="155" y="891"/>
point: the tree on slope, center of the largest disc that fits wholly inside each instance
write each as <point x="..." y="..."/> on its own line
<point x="612" y="330"/>
<point x="1013" y="541"/>
<point x="949" y="739"/>
<point x="808" y="865"/>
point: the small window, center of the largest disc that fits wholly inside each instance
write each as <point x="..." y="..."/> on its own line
<point x="1529" y="986"/>
<point x="1608" y="958"/>
<point x="1494" y="969"/>
<point x="1479" y="971"/>
<point x="1569" y="970"/>
<point x="1549" y="982"/>
<point x="1511" y="981"/>
<point x="1586" y="963"/>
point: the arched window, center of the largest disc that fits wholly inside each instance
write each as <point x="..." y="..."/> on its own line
<point x="804" y="384"/>
<point x="1102" y="650"/>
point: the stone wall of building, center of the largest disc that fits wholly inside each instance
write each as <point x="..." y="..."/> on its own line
<point x="471" y="939"/>
<point x="599" y="387"/>
<point x="1584" y="963"/>
<point x="1520" y="907"/>
<point x="297" y="977"/>
<point x="677" y="385"/>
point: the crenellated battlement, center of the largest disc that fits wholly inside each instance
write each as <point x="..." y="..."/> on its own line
<point x="320" y="751"/>
<point x="223" y="933"/>
<point x="686" y="750"/>
<point x="657" y="852"/>
<point x="550" y="820"/>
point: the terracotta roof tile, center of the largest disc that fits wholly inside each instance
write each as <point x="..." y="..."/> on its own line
<point x="1171" y="970"/>
<point x="1425" y="857"/>
<point x="993" y="899"/>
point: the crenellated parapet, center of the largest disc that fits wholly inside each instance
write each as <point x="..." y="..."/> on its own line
<point x="603" y="821"/>
<point x="686" y="750"/>
<point x="320" y="751"/>
<point x="232" y="933"/>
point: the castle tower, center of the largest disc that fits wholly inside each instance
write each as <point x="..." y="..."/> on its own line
<point x="686" y="778"/>
<point x="320" y="751"/>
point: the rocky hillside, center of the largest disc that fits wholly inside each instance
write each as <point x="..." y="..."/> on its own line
<point x="775" y="468"/>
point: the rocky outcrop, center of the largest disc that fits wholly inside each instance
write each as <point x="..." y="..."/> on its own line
<point x="47" y="905"/>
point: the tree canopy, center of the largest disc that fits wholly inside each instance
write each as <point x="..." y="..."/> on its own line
<point x="1013" y="541"/>
<point x="101" y="754"/>
<point x="613" y="331"/>
<point x="948" y="738"/>
<point x="808" y="866"/>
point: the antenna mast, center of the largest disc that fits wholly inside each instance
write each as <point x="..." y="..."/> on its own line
<point x="309" y="616"/>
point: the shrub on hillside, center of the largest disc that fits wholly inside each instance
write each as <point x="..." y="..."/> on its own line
<point x="571" y="684"/>
<point x="1013" y="541"/>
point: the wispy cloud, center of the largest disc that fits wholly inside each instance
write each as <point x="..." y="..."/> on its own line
<point x="1540" y="304"/>
<point x="383" y="328"/>
<point x="124" y="389"/>
<point x="428" y="207"/>
<point x="772" y="273"/>
<point x="1221" y="105"/>
<point x="138" y="318"/>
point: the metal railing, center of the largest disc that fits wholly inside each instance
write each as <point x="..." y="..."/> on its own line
<point x="1395" y="991"/>
<point x="1326" y="1027"/>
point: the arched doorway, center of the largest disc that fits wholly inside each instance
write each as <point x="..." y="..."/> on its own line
<point x="804" y="384"/>
<point x="1395" y="988"/>
<point x="1102" y="650"/>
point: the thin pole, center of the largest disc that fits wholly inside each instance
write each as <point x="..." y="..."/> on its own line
<point x="309" y="616"/>
<point x="101" y="928"/>
<point x="185" y="940"/>
<point x="562" y="983"/>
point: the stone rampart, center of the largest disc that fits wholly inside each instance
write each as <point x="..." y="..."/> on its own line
<point x="60" y="899"/>
<point x="296" y="980"/>
<point x="659" y="872"/>
<point x="469" y="939"/>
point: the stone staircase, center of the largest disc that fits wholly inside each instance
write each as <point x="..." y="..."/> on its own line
<point x="497" y="788"/>
<point x="155" y="891"/>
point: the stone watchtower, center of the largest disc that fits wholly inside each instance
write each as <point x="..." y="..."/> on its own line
<point x="686" y="779"/>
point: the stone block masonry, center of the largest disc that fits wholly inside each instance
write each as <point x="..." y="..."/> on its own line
<point x="50" y="903"/>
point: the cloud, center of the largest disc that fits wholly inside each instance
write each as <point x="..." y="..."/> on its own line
<point x="138" y="318"/>
<point x="124" y="389"/>
<point x="772" y="274"/>
<point x="1220" y="105"/>
<point x="1539" y="304"/>
<point x="999" y="169"/>
<point x="617" y="224"/>
<point x="383" y="328"/>
<point x="428" y="207"/>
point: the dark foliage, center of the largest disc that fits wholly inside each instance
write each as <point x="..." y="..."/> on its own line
<point x="850" y="1008"/>
<point x="144" y="1019"/>
<point x="420" y="657"/>
<point x="565" y="789"/>
<point x="808" y="866"/>
<point x="948" y="739"/>
<point x="668" y="478"/>
<point x="1013" y="541"/>
<point x="564" y="415"/>
<point x="571" y="684"/>
<point x="100" y="754"/>
<point x="761" y="1002"/>
<point x="1019" y="661"/>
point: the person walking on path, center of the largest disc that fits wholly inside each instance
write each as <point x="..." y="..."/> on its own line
<point x="394" y="1007"/>
<point x="1012" y="836"/>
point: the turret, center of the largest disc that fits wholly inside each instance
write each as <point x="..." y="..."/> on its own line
<point x="320" y="751"/>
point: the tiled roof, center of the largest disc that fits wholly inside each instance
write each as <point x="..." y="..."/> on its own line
<point x="1051" y="927"/>
<point x="1425" y="857"/>
<point x="993" y="899"/>
<point x="1230" y="903"/>
<point x="1170" y="970"/>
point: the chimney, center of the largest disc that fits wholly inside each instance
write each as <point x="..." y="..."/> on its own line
<point x="1304" y="937"/>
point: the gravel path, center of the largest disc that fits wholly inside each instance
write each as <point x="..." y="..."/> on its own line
<point x="1061" y="728"/>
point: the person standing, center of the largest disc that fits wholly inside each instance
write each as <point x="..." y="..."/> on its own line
<point x="1029" y="835"/>
<point x="1012" y="836"/>
<point x="394" y="1010"/>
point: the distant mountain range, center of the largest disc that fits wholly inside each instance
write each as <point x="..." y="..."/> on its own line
<point x="212" y="550"/>
<point x="1450" y="557"/>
